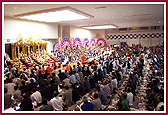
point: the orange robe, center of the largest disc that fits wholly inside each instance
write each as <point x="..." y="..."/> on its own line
<point x="43" y="69"/>
<point x="37" y="73"/>
<point x="31" y="67"/>
<point x="68" y="66"/>
<point x="83" y="57"/>
<point x="50" y="69"/>
<point x="92" y="65"/>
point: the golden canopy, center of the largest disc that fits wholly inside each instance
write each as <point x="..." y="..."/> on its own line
<point x="28" y="45"/>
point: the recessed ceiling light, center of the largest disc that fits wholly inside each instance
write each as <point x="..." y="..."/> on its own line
<point x="100" y="27"/>
<point x="55" y="15"/>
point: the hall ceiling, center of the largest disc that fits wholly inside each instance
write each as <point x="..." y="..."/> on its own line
<point x="122" y="15"/>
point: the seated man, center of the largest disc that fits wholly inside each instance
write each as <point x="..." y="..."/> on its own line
<point x="17" y="94"/>
<point x="26" y="104"/>
<point x="96" y="102"/>
<point x="46" y="107"/>
<point x="56" y="102"/>
<point x="125" y="103"/>
<point x="67" y="96"/>
<point x="36" y="96"/>
<point x="101" y="95"/>
<point x="160" y="101"/>
<point x="8" y="102"/>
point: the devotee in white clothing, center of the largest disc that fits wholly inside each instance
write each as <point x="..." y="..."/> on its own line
<point x="36" y="96"/>
<point x="130" y="96"/>
<point x="56" y="102"/>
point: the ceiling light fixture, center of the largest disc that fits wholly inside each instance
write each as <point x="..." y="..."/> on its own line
<point x="55" y="15"/>
<point x="100" y="27"/>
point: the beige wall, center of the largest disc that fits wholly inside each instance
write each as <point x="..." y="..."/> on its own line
<point x="144" y="42"/>
<point x="98" y="33"/>
<point x="79" y="32"/>
<point x="12" y="28"/>
<point x="111" y="42"/>
<point x="84" y="33"/>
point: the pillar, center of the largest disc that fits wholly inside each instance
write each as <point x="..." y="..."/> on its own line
<point x="41" y="49"/>
<point x="14" y="51"/>
<point x="33" y="48"/>
<point x="38" y="49"/>
<point x="28" y="50"/>
<point x="59" y="31"/>
<point x="65" y="31"/>
<point x="46" y="49"/>
<point x="23" y="49"/>
<point x="18" y="52"/>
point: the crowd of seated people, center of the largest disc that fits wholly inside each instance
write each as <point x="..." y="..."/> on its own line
<point x="112" y="79"/>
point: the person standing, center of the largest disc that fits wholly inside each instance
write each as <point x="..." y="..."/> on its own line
<point x="80" y="74"/>
<point x="83" y="57"/>
<point x="87" y="85"/>
<point x="77" y="76"/>
<point x="130" y="96"/>
<point x="50" y="69"/>
<point x="72" y="78"/>
<point x="68" y="66"/>
<point x="75" y="93"/>
<point x="67" y="96"/>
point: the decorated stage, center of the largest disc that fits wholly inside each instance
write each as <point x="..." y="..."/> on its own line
<point x="67" y="43"/>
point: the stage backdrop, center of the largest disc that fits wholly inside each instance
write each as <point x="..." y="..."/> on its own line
<point x="77" y="42"/>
